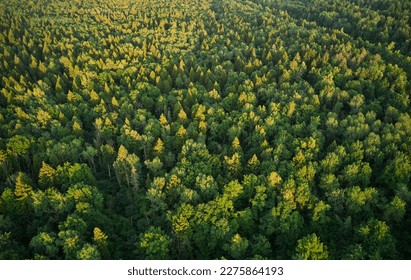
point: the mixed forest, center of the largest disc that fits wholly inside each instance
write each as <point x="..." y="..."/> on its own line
<point x="205" y="129"/>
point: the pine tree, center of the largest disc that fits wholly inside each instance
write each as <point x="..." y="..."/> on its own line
<point x="23" y="189"/>
<point x="47" y="175"/>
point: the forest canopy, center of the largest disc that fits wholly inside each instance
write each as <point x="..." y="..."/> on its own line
<point x="205" y="129"/>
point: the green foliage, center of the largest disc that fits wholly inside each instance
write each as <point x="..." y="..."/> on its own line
<point x="44" y="245"/>
<point x="127" y="167"/>
<point x="310" y="248"/>
<point x="375" y="240"/>
<point x="237" y="247"/>
<point x="100" y="239"/>
<point x="154" y="244"/>
<point x="205" y="129"/>
<point x="84" y="198"/>
<point x="88" y="252"/>
<point x="69" y="175"/>
<point x="18" y="146"/>
<point x="47" y="176"/>
<point x="395" y="211"/>
<point x="22" y="189"/>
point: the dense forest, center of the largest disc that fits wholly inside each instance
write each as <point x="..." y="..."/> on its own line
<point x="205" y="129"/>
